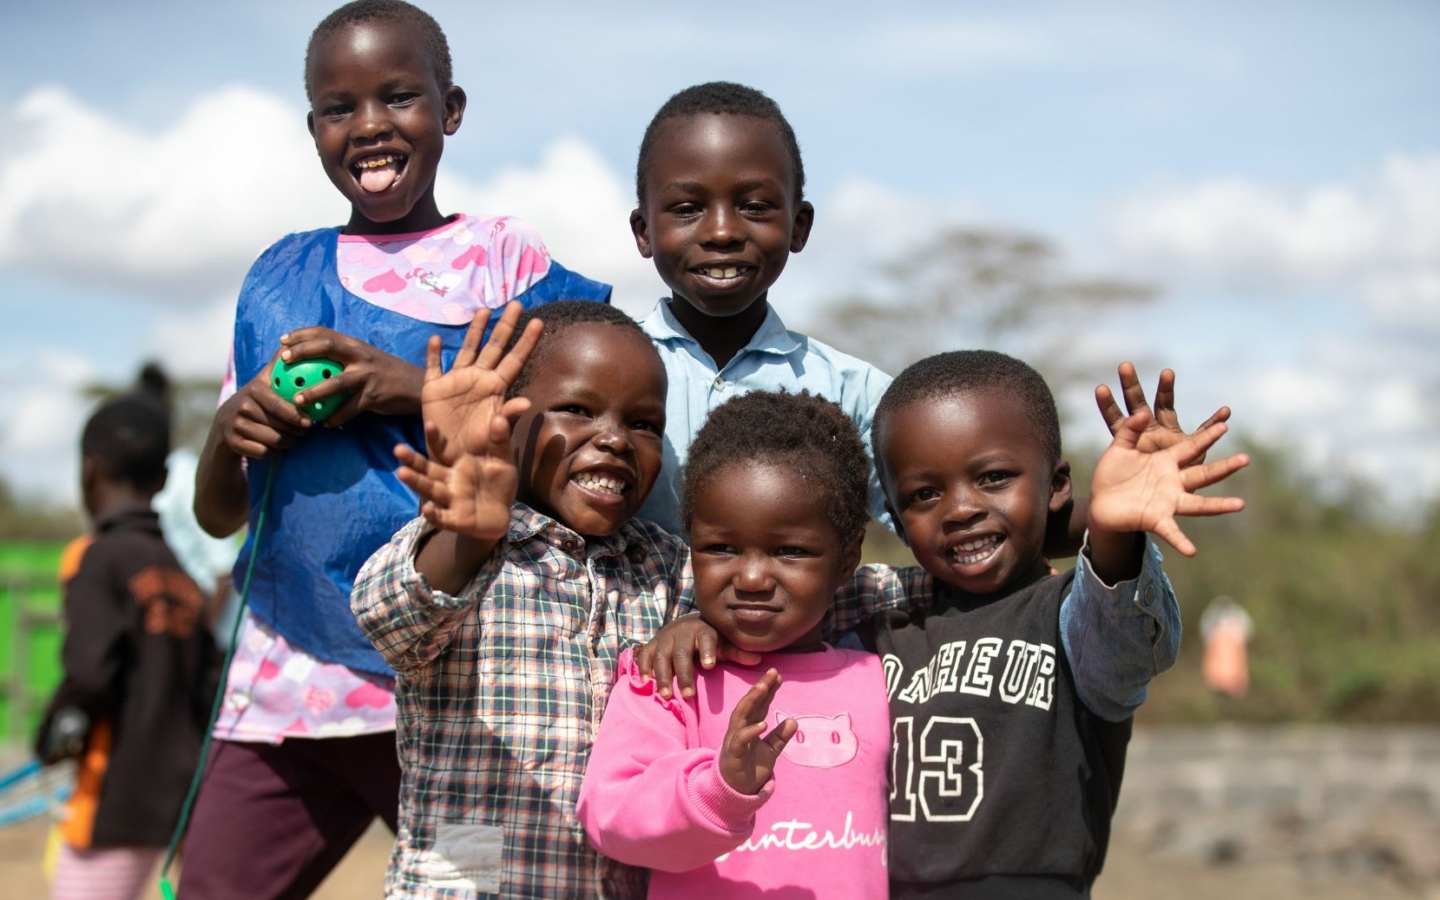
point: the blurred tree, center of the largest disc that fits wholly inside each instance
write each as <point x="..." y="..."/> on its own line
<point x="971" y="288"/>
<point x="191" y="402"/>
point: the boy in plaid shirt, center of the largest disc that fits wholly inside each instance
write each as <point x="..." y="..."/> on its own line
<point x="505" y="607"/>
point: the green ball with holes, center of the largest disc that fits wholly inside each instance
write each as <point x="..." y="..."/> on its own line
<point x="289" y="379"/>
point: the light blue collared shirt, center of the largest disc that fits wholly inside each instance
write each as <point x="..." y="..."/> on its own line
<point x="775" y="358"/>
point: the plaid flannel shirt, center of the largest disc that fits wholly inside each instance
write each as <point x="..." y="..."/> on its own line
<point x="500" y="691"/>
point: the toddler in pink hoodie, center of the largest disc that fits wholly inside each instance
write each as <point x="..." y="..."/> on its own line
<point x="743" y="786"/>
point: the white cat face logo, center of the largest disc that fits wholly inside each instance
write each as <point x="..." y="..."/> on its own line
<point x="822" y="742"/>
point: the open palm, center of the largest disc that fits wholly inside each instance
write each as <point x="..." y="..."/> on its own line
<point x="458" y="406"/>
<point x="1141" y="487"/>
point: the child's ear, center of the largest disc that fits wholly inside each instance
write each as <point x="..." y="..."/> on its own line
<point x="454" y="108"/>
<point x="804" y="221"/>
<point x="641" y="229"/>
<point x="1061" y="487"/>
<point x="310" y="126"/>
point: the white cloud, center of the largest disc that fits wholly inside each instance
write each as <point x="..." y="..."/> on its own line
<point x="91" y="197"/>
<point x="179" y="212"/>
<point x="41" y="433"/>
<point x="1377" y="238"/>
<point x="194" y="342"/>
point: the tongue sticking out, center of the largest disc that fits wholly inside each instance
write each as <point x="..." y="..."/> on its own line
<point x="379" y="178"/>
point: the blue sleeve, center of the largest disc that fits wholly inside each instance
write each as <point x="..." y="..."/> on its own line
<point x="560" y="283"/>
<point x="1117" y="638"/>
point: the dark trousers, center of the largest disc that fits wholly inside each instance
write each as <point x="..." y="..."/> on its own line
<point x="271" y="821"/>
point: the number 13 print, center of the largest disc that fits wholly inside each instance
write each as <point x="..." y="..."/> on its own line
<point x="944" y="770"/>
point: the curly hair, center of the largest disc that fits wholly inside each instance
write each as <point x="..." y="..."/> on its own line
<point x="966" y="372"/>
<point x="558" y="317"/>
<point x="726" y="98"/>
<point x="390" y="11"/>
<point x="803" y="431"/>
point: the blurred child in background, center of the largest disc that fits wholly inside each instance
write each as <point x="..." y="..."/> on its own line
<point x="139" y="664"/>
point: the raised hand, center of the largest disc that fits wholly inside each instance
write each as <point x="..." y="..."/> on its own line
<point x="377" y="381"/>
<point x="1163" y="429"/>
<point x="747" y="755"/>
<point x="1139" y="487"/>
<point x="468" y="481"/>
<point x="458" y="406"/>
<point x="473" y="497"/>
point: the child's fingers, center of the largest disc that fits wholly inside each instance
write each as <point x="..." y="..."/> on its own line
<point x="659" y="668"/>
<point x="509" y="367"/>
<point x="515" y="407"/>
<point x="1196" y="477"/>
<point x="500" y="336"/>
<point x="1220" y="415"/>
<point x="497" y="444"/>
<point x="432" y="355"/>
<point x="1130" y="387"/>
<point x="1196" y="445"/>
<point x="780" y="735"/>
<point x="470" y="345"/>
<point x="428" y="489"/>
<point x="436" y="444"/>
<point x="1171" y="534"/>
<point x="300" y="335"/>
<point x="1128" y="430"/>
<point x="313" y="343"/>
<point x="1109" y="409"/>
<point x="755" y="705"/>
<point x="1165" y="392"/>
<point x="1196" y="505"/>
<point x="682" y="664"/>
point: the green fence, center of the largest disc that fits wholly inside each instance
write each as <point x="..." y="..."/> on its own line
<point x="29" y="635"/>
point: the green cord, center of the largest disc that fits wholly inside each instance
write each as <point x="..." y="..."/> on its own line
<point x="167" y="890"/>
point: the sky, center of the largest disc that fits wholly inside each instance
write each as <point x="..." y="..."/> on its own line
<point x="1274" y="170"/>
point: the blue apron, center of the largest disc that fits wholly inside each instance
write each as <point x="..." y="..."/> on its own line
<point x="336" y="497"/>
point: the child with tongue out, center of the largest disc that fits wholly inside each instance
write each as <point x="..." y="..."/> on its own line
<point x="305" y="756"/>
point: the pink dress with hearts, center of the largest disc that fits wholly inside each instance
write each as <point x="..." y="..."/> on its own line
<point x="276" y="690"/>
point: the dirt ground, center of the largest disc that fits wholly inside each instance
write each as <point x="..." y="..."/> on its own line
<point x="1130" y="875"/>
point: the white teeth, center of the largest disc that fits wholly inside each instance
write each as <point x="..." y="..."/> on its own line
<point x="600" y="483"/>
<point x="721" y="272"/>
<point x="975" y="551"/>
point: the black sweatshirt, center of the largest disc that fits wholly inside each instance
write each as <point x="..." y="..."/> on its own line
<point x="1003" y="784"/>
<point x="139" y="658"/>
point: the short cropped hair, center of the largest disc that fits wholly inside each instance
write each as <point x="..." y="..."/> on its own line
<point x="724" y="98"/>
<point x="967" y="372"/>
<point x="558" y="317"/>
<point x="803" y="432"/>
<point x="393" y="11"/>
<point x="128" y="437"/>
